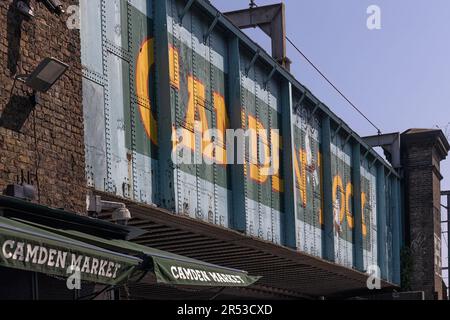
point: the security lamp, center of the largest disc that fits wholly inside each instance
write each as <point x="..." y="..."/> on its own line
<point x="45" y="75"/>
<point x="119" y="212"/>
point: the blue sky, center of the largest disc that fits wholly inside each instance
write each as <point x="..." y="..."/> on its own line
<point x="398" y="75"/>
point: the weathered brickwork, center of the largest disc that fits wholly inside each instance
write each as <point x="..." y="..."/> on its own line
<point x="44" y="141"/>
<point x="422" y="152"/>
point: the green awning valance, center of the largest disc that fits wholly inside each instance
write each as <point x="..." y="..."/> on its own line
<point x="28" y="247"/>
<point x="168" y="267"/>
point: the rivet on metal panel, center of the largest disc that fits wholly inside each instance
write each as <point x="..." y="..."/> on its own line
<point x="94" y="76"/>
<point x="270" y="232"/>
<point x="197" y="142"/>
<point x="110" y="187"/>
<point x="215" y="210"/>
<point x="137" y="193"/>
<point x="118" y="51"/>
<point x="244" y="127"/>
<point x="258" y="150"/>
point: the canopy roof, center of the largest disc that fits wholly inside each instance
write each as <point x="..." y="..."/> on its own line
<point x="168" y="267"/>
<point x="41" y="247"/>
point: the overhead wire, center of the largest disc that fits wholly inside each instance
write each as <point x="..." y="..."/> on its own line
<point x="252" y="4"/>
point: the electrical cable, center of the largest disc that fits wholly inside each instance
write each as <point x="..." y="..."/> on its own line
<point x="253" y="4"/>
<point x="332" y="84"/>
<point x="37" y="156"/>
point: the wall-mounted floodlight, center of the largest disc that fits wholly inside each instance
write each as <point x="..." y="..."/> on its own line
<point x="45" y="75"/>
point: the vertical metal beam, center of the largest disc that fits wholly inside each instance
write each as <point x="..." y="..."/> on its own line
<point x="328" y="238"/>
<point x="448" y="241"/>
<point x="357" y="206"/>
<point x="396" y="229"/>
<point x="381" y="220"/>
<point x="289" y="195"/>
<point x="165" y="111"/>
<point x="237" y="218"/>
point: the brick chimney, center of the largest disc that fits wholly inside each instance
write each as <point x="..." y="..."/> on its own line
<point x="422" y="150"/>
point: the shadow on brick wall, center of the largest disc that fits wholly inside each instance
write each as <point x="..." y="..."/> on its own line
<point x="16" y="112"/>
<point x="14" y="35"/>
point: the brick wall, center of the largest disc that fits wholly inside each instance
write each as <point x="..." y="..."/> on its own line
<point x="422" y="151"/>
<point x="44" y="141"/>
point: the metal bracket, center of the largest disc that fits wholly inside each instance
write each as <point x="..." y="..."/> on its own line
<point x="271" y="20"/>
<point x="347" y="139"/>
<point x="269" y="77"/>
<point x="313" y="112"/>
<point x="186" y="9"/>
<point x="299" y="103"/>
<point x="391" y="146"/>
<point x="316" y="108"/>
<point x="252" y="62"/>
<point x="211" y="27"/>
<point x="336" y="131"/>
<point x="364" y="156"/>
<point x="373" y="162"/>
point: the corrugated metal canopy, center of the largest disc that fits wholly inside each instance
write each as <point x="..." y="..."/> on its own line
<point x="281" y="268"/>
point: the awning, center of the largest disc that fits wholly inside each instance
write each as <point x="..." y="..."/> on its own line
<point x="28" y="247"/>
<point x="169" y="268"/>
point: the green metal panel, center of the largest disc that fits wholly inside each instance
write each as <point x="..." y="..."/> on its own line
<point x="342" y="194"/>
<point x="328" y="218"/>
<point x="396" y="229"/>
<point x="261" y="111"/>
<point x="308" y="177"/>
<point x="238" y="218"/>
<point x="369" y="212"/>
<point x="357" y="207"/>
<point x="159" y="73"/>
<point x="288" y="221"/>
<point x="381" y="220"/>
<point x="198" y="90"/>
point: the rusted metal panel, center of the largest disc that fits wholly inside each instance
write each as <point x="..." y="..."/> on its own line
<point x="390" y="214"/>
<point x="341" y="166"/>
<point x="308" y="177"/>
<point x="369" y="212"/>
<point x="94" y="124"/>
<point x="261" y="112"/>
<point x="118" y="89"/>
<point x="198" y="74"/>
